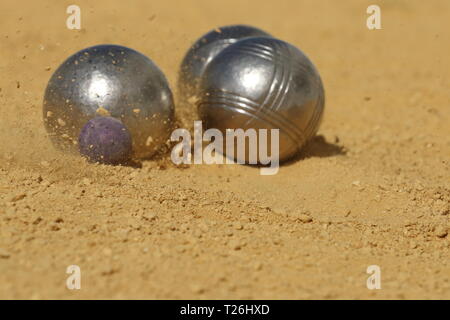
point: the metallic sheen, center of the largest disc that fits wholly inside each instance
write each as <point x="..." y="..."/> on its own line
<point x="109" y="80"/>
<point x="263" y="83"/>
<point x="205" y="49"/>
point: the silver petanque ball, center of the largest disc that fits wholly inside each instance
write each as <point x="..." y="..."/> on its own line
<point x="263" y="83"/>
<point x="205" y="49"/>
<point x="109" y="80"/>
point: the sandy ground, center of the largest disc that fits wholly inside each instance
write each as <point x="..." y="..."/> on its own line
<point x="375" y="183"/>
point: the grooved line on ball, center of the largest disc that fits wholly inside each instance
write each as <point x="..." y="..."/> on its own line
<point x="296" y="141"/>
<point x="250" y="107"/>
<point x="259" y="47"/>
<point x="253" y="106"/>
<point x="258" y="50"/>
<point x="269" y="96"/>
<point x="285" y="51"/>
<point x="280" y="54"/>
<point x="282" y="83"/>
<point x="281" y="50"/>
<point x="255" y="53"/>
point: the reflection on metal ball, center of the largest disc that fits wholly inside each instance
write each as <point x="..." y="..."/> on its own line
<point x="105" y="140"/>
<point x="109" y="80"/>
<point x="263" y="83"/>
<point x="203" y="52"/>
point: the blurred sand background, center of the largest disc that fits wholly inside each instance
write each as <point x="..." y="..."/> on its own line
<point x="372" y="189"/>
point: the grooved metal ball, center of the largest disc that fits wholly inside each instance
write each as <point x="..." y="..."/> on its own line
<point x="109" y="80"/>
<point x="263" y="83"/>
<point x="205" y="49"/>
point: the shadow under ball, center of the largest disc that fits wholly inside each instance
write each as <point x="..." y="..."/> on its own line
<point x="263" y="83"/>
<point x="109" y="80"/>
<point x="203" y="52"/>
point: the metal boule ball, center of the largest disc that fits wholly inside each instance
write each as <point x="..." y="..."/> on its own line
<point x="105" y="140"/>
<point x="109" y="80"/>
<point x="203" y="52"/>
<point x="263" y="83"/>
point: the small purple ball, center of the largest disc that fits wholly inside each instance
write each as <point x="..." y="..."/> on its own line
<point x="105" y="140"/>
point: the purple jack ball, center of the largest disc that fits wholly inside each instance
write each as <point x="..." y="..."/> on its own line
<point x="105" y="140"/>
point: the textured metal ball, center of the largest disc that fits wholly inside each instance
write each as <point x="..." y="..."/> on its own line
<point x="109" y="80"/>
<point x="105" y="140"/>
<point x="263" y="83"/>
<point x="205" y="49"/>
